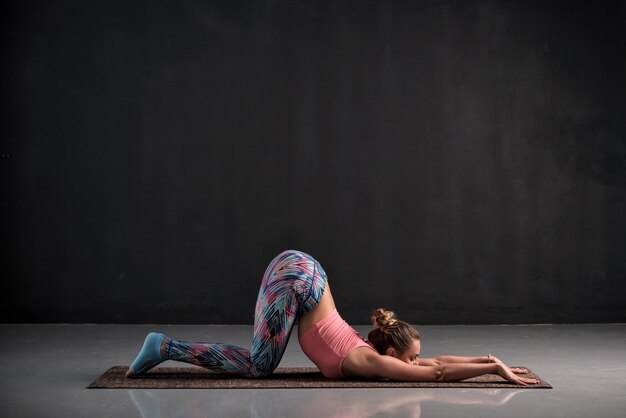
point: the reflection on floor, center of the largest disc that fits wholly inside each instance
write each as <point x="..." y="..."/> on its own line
<point x="46" y="369"/>
<point x="318" y="403"/>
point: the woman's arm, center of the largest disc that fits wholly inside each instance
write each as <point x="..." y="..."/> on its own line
<point x="460" y="359"/>
<point x="391" y="368"/>
<point x="454" y="359"/>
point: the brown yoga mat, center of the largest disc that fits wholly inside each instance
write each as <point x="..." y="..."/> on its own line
<point x="283" y="378"/>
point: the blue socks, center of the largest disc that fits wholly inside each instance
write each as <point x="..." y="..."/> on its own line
<point x="149" y="356"/>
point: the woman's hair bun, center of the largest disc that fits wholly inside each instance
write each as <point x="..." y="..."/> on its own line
<point x="383" y="319"/>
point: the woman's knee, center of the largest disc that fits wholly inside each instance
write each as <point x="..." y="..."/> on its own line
<point x="293" y="253"/>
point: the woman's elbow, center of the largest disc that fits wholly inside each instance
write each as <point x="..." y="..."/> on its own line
<point x="429" y="374"/>
<point x="438" y="375"/>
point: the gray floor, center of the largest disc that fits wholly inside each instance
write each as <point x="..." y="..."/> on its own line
<point x="45" y="369"/>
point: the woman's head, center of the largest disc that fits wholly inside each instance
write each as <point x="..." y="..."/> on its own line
<point x="393" y="337"/>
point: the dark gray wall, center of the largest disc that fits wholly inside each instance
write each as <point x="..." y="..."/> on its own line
<point x="458" y="162"/>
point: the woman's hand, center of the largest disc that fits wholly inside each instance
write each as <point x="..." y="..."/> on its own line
<point x="518" y="370"/>
<point x="509" y="374"/>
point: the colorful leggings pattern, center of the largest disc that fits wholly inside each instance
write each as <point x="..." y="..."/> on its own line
<point x="292" y="285"/>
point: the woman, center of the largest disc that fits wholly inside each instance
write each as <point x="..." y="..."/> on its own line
<point x="294" y="287"/>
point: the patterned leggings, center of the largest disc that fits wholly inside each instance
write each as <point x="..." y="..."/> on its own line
<point x="292" y="285"/>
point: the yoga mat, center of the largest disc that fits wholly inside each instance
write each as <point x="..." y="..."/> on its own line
<point x="283" y="378"/>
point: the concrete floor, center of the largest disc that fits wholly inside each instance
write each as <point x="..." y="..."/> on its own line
<point x="45" y="369"/>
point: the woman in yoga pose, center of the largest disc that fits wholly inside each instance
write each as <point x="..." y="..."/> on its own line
<point x="295" y="286"/>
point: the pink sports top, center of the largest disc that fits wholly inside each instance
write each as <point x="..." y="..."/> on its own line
<point x="328" y="343"/>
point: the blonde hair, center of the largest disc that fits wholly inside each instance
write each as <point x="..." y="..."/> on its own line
<point x="391" y="332"/>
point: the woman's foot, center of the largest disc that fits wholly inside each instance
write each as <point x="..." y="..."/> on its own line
<point x="150" y="354"/>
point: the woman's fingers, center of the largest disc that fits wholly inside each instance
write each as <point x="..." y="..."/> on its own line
<point x="519" y="370"/>
<point x="525" y="381"/>
<point x="529" y="380"/>
<point x="520" y="382"/>
<point x="509" y="375"/>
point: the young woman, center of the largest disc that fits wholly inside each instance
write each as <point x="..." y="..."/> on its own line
<point x="294" y="287"/>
